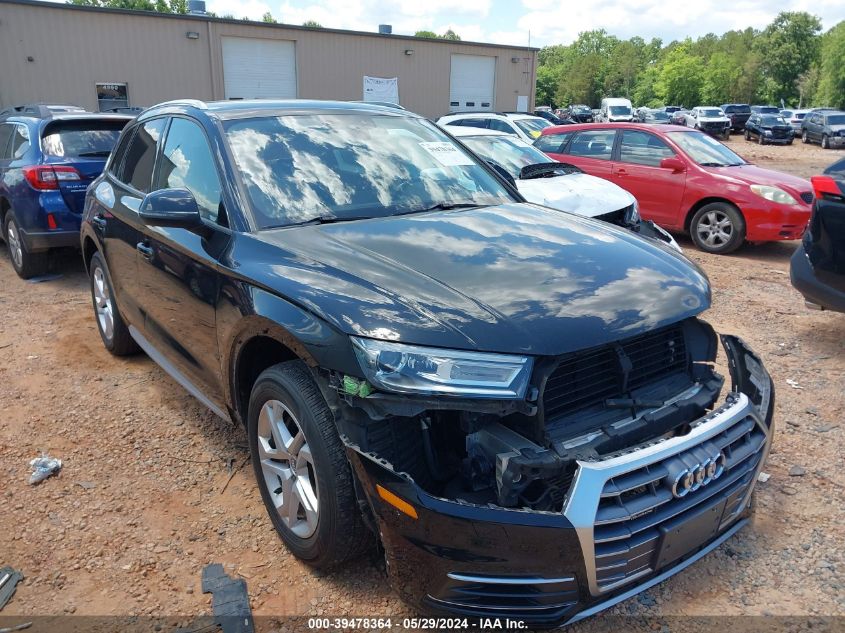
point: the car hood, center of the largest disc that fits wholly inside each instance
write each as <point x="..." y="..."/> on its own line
<point x="577" y="193"/>
<point x="713" y="119"/>
<point x="753" y="175"/>
<point x="836" y="128"/>
<point x="516" y="278"/>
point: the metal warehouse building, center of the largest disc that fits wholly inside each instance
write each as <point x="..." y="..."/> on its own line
<point x="100" y="58"/>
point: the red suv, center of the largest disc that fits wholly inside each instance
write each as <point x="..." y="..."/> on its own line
<point x="685" y="180"/>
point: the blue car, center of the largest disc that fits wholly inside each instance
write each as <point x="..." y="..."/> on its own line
<point x="48" y="157"/>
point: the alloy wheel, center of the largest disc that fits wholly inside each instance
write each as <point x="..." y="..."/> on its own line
<point x="15" y="246"/>
<point x="288" y="468"/>
<point x="715" y="229"/>
<point x="103" y="304"/>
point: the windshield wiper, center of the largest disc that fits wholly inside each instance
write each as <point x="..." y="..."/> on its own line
<point x="715" y="164"/>
<point x="445" y="206"/>
<point x="99" y="153"/>
<point x="321" y="219"/>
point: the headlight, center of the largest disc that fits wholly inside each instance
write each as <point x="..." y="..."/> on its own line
<point x="767" y="132"/>
<point x="427" y="370"/>
<point x="632" y="214"/>
<point x="773" y="194"/>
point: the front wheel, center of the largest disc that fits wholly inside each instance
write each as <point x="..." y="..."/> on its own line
<point x="301" y="468"/>
<point x="825" y="142"/>
<point x="718" y="228"/>
<point x="761" y="139"/>
<point x="805" y="138"/>
<point x="727" y="135"/>
<point x="25" y="263"/>
<point x="747" y="135"/>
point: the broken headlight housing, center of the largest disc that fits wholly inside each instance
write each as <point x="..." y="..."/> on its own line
<point x="431" y="371"/>
<point x="632" y="215"/>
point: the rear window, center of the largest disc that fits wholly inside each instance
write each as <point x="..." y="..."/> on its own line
<point x="836" y="119"/>
<point x="81" y="140"/>
<point x="738" y="109"/>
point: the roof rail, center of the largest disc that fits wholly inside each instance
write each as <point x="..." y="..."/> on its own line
<point x="195" y="103"/>
<point x="475" y="112"/>
<point x="40" y="110"/>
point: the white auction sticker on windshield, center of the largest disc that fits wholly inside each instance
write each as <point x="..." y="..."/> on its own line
<point x="446" y="154"/>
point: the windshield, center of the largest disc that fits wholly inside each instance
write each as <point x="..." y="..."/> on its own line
<point x="711" y="113"/>
<point x="658" y="115"/>
<point x="705" y="150"/>
<point x="511" y="153"/>
<point x="838" y="119"/>
<point x="582" y="108"/>
<point x="95" y="140"/>
<point x="619" y="110"/>
<point x="768" y="110"/>
<point x="772" y="120"/>
<point x="320" y="167"/>
<point x="532" y="127"/>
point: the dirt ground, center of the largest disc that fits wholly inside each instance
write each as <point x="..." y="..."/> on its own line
<point x="140" y="507"/>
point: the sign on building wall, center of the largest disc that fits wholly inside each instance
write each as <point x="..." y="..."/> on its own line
<point x="113" y="95"/>
<point x="381" y="89"/>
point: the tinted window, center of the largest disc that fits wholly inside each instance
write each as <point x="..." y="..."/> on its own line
<point x="532" y="127"/>
<point x="187" y="163"/>
<point x="140" y="156"/>
<point x="20" y="141"/>
<point x="510" y="153"/>
<point x="5" y="135"/>
<point x="482" y="123"/>
<point x="705" y="150"/>
<point x="594" y="144"/>
<point x="553" y="143"/>
<point x="836" y="119"/>
<point x="90" y="139"/>
<point x="299" y="168"/>
<point x="643" y="148"/>
<point x="771" y="119"/>
<point x="501" y="126"/>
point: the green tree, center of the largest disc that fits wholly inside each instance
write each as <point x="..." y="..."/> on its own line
<point x="312" y="24"/>
<point x="831" y="89"/>
<point x="547" y="81"/>
<point x="720" y="76"/>
<point x="451" y="35"/>
<point x="159" y="6"/>
<point x="791" y="44"/>
<point x="681" y="77"/>
<point x="268" y="18"/>
<point x="429" y="34"/>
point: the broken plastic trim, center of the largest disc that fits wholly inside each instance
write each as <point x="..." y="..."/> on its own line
<point x="749" y="376"/>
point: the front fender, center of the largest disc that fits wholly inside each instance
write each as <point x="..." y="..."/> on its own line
<point x="245" y="311"/>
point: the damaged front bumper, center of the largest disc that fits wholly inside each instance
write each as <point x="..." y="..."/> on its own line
<point x="629" y="519"/>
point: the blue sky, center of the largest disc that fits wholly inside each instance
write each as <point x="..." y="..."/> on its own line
<point x="549" y="21"/>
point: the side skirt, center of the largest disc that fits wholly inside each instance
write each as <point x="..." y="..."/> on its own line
<point x="177" y="375"/>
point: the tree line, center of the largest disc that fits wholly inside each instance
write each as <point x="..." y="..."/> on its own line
<point x="791" y="61"/>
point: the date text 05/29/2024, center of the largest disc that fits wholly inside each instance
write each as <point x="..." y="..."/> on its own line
<point x="458" y="624"/>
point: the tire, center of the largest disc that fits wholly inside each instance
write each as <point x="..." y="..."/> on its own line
<point x="747" y="136"/>
<point x="718" y="228"/>
<point x="727" y="135"/>
<point x="789" y="142"/>
<point x="761" y="139"/>
<point x="286" y="404"/>
<point x="805" y="138"/>
<point x="111" y="326"/>
<point x="825" y="142"/>
<point x="26" y="264"/>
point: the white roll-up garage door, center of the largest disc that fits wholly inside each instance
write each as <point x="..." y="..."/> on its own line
<point x="472" y="83"/>
<point x="259" y="69"/>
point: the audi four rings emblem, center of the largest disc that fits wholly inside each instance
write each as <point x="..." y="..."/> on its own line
<point x="692" y="478"/>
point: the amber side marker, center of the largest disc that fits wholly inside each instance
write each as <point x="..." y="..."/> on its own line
<point x="400" y="504"/>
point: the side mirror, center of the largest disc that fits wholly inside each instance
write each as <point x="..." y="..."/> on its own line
<point x="675" y="164"/>
<point x="170" y="207"/>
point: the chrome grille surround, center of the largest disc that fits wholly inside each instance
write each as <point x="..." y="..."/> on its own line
<point x="592" y="477"/>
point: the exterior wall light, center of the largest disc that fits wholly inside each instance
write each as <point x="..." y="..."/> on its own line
<point x="409" y="51"/>
<point x="192" y="35"/>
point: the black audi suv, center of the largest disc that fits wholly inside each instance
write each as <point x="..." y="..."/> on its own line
<point x="518" y="403"/>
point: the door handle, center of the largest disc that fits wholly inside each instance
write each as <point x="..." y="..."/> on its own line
<point x="145" y="250"/>
<point x="99" y="221"/>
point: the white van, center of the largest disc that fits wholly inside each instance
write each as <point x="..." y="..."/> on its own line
<point x="616" y="109"/>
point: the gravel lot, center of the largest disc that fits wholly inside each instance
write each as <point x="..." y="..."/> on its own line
<point x="139" y="507"/>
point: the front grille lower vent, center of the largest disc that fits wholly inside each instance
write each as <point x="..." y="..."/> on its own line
<point x="807" y="196"/>
<point x="587" y="379"/>
<point x="637" y="508"/>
